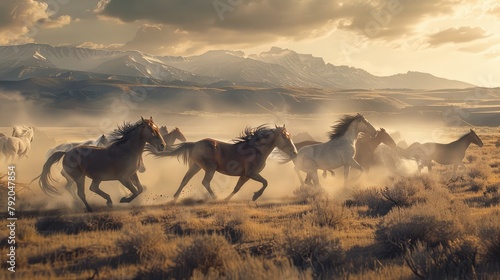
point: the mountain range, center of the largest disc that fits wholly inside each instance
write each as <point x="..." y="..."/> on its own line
<point x="218" y="68"/>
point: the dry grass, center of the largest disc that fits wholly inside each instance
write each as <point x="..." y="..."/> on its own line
<point x="423" y="225"/>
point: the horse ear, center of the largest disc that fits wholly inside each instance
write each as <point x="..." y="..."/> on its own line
<point x="283" y="125"/>
<point x="471" y="130"/>
<point x="142" y="118"/>
<point x="276" y="125"/>
<point x="151" y="118"/>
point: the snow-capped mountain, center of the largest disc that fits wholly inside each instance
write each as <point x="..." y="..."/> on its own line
<point x="275" y="68"/>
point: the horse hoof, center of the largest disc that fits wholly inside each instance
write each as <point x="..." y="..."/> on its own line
<point x="89" y="210"/>
<point x="109" y="203"/>
<point x="125" y="200"/>
<point x="256" y="196"/>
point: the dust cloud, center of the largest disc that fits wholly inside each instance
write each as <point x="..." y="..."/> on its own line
<point x="163" y="175"/>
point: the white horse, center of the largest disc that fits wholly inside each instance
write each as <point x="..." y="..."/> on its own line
<point x="337" y="152"/>
<point x="17" y="145"/>
<point x="102" y="141"/>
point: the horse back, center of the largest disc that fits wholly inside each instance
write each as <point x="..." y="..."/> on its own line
<point x="231" y="159"/>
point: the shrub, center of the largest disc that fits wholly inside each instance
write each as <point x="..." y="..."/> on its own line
<point x="489" y="232"/>
<point x="480" y="171"/>
<point x="306" y="193"/>
<point x="229" y="225"/>
<point x="209" y="253"/>
<point x="436" y="222"/>
<point x="327" y="212"/>
<point x="400" y="192"/>
<point x="456" y="261"/>
<point x="316" y="249"/>
<point x="141" y="243"/>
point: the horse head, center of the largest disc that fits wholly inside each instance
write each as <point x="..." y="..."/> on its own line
<point x="151" y="134"/>
<point x="365" y="126"/>
<point x="102" y="141"/>
<point x="284" y="141"/>
<point x="386" y="138"/>
<point x="475" y="139"/>
<point x="179" y="135"/>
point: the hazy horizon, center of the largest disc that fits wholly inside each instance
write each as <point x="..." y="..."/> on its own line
<point x="453" y="39"/>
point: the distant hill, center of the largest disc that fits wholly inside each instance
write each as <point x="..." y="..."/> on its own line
<point x="53" y="97"/>
<point x="275" y="68"/>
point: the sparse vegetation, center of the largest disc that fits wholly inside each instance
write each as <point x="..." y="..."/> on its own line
<point x="406" y="227"/>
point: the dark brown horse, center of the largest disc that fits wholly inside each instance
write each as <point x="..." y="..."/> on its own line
<point x="445" y="154"/>
<point x="245" y="158"/>
<point x="366" y="145"/>
<point x="118" y="161"/>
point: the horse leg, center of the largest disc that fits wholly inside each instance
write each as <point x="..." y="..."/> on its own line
<point x="193" y="169"/>
<point x="238" y="186"/>
<point x="94" y="186"/>
<point x="209" y="174"/>
<point x="137" y="183"/>
<point x="308" y="180"/>
<point x="142" y="167"/>
<point x="346" y="174"/>
<point x="80" y="185"/>
<point x="258" y="178"/>
<point x="130" y="186"/>
<point x="351" y="163"/>
<point x="324" y="174"/>
<point x="300" y="176"/>
<point x="69" y="184"/>
<point x="315" y="178"/>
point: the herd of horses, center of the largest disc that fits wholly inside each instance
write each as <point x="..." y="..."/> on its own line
<point x="352" y="144"/>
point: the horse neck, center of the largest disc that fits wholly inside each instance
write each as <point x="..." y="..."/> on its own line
<point x="134" y="144"/>
<point x="26" y="136"/>
<point x="463" y="142"/>
<point x="169" y="138"/>
<point x="351" y="133"/>
<point x="267" y="147"/>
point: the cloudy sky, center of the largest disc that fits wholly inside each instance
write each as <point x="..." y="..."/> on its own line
<point x="456" y="39"/>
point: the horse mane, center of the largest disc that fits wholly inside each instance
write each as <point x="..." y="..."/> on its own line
<point x="254" y="134"/>
<point x="342" y="125"/>
<point x="122" y="133"/>
<point x="465" y="135"/>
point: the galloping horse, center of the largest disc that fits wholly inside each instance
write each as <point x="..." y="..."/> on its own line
<point x="18" y="145"/>
<point x="245" y="158"/>
<point x="102" y="141"/>
<point x="118" y="161"/>
<point x="365" y="147"/>
<point x="337" y="152"/>
<point x="445" y="154"/>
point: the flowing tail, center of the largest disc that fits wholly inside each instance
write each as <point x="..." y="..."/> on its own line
<point x="46" y="178"/>
<point x="281" y="157"/>
<point x="182" y="150"/>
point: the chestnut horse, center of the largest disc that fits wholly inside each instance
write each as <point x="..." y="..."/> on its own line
<point x="245" y="158"/>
